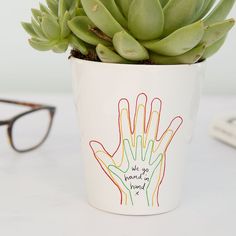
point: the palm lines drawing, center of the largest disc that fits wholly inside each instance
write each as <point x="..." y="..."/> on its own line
<point x="137" y="167"/>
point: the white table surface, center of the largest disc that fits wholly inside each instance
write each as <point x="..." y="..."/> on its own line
<point x="42" y="193"/>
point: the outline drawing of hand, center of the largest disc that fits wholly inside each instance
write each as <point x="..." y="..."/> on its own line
<point x="137" y="167"/>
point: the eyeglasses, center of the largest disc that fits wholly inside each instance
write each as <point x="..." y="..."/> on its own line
<point x="29" y="130"/>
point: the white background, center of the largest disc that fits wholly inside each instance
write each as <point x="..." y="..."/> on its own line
<point x="23" y="69"/>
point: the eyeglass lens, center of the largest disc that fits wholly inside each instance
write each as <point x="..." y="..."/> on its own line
<point x="30" y="130"/>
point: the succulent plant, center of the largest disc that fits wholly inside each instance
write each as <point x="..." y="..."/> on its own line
<point x="49" y="29"/>
<point x="133" y="31"/>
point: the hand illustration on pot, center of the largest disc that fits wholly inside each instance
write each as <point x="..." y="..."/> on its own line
<point x="138" y="165"/>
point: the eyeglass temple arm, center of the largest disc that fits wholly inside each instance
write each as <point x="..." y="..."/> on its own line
<point x="4" y="122"/>
<point x="32" y="105"/>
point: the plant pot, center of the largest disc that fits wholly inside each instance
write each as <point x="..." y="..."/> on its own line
<point x="135" y="123"/>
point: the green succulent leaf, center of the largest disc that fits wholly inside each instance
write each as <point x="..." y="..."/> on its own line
<point x="50" y="27"/>
<point x="115" y="11"/>
<point x="37" y="14"/>
<point x="206" y="8"/>
<point x="198" y="10"/>
<point x="78" y="44"/>
<point x="29" y="29"/>
<point x="37" y="29"/>
<point x="146" y="19"/>
<point x="53" y="6"/>
<point x="128" y="47"/>
<point x="73" y="7"/>
<point x="80" y="12"/>
<point x="65" y="30"/>
<point x="44" y="9"/>
<point x="164" y="2"/>
<point x="216" y="31"/>
<point x="70" y="3"/>
<point x="179" y="42"/>
<point x="214" y="48"/>
<point x="62" y="7"/>
<point x="124" y="6"/>
<point x="41" y="45"/>
<point x="189" y="57"/>
<point x="61" y="46"/>
<point x="66" y="5"/>
<point x="179" y="13"/>
<point x="220" y="12"/>
<point x="107" y="55"/>
<point x="81" y="26"/>
<point x="101" y="17"/>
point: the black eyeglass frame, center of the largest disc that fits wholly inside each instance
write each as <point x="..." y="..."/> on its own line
<point x="33" y="108"/>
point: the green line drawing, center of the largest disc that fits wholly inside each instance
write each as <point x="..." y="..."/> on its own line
<point x="138" y="165"/>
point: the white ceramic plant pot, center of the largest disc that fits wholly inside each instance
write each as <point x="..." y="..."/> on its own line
<point x="135" y="125"/>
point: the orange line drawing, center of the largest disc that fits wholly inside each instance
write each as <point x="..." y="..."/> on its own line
<point x="138" y="165"/>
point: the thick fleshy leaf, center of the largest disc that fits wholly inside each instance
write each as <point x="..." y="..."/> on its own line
<point x="37" y="29"/>
<point x="198" y="10"/>
<point x="220" y="12"/>
<point x="179" y="42"/>
<point x="124" y="6"/>
<point x="107" y="55"/>
<point x="65" y="30"/>
<point x="53" y="6"/>
<point x="72" y="8"/>
<point x="164" y="2"/>
<point x="78" y="44"/>
<point x="61" y="46"/>
<point x="214" y="48"/>
<point x="62" y="8"/>
<point x="206" y="8"/>
<point x="101" y="17"/>
<point x="80" y="12"/>
<point x="178" y="13"/>
<point x="215" y="32"/>
<point x="44" y="9"/>
<point x="37" y="14"/>
<point x="66" y="5"/>
<point x="50" y="27"/>
<point x="146" y="19"/>
<point x="69" y="3"/>
<point x="81" y="27"/>
<point x="128" y="47"/>
<point x="189" y="57"/>
<point x="29" y="29"/>
<point x="41" y="45"/>
<point x="115" y="11"/>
